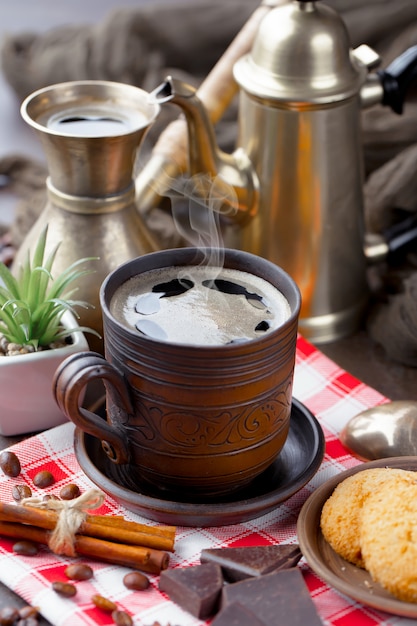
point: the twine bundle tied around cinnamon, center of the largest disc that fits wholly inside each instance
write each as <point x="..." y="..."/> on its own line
<point x="68" y="529"/>
<point x="71" y="514"/>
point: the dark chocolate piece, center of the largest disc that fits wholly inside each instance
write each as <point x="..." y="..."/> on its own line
<point x="196" y="589"/>
<point x="278" y="598"/>
<point x="235" y="614"/>
<point x="240" y="563"/>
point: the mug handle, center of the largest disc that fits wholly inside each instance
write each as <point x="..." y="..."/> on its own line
<point x="69" y="382"/>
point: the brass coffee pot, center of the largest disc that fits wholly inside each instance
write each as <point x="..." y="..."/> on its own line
<point x="297" y="173"/>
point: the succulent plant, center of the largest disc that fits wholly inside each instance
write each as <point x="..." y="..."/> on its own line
<point x="33" y="303"/>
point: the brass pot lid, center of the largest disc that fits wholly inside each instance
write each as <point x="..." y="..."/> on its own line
<point x="301" y="53"/>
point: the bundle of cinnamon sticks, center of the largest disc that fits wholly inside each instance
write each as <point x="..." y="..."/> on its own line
<point x="112" y="539"/>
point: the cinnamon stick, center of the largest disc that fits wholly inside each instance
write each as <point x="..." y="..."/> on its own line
<point x="145" y="559"/>
<point x="122" y="535"/>
<point x="116" y="521"/>
<point x="115" y="529"/>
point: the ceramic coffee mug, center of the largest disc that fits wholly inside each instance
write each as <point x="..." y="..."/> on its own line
<point x="195" y="419"/>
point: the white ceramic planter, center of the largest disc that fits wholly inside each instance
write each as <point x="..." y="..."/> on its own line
<point x="26" y="400"/>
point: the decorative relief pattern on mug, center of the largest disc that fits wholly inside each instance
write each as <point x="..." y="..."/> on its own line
<point x="207" y="429"/>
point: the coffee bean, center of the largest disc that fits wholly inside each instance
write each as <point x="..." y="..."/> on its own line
<point x="68" y="590"/>
<point x="27" y="621"/>
<point x="28" y="611"/>
<point x="26" y="616"/>
<point x="10" y="464"/>
<point x="20" y="492"/>
<point x="136" y="580"/>
<point x="8" y="616"/>
<point x="69" y="492"/>
<point x="43" y="479"/>
<point x="25" y="548"/>
<point x="49" y="496"/>
<point x="79" y="571"/>
<point x="121" y="618"/>
<point x="103" y="603"/>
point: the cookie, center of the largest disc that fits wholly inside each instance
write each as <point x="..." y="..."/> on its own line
<point x="340" y="517"/>
<point x="389" y="537"/>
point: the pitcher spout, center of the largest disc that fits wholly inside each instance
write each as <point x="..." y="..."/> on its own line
<point x="228" y="176"/>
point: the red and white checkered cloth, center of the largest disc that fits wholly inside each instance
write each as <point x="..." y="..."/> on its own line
<point x="329" y="392"/>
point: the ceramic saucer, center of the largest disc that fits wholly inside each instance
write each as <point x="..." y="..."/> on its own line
<point x="294" y="467"/>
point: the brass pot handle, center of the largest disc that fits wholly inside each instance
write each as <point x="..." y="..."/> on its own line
<point x="69" y="382"/>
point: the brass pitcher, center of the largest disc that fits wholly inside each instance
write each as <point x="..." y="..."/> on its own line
<point x="297" y="172"/>
<point x="90" y="131"/>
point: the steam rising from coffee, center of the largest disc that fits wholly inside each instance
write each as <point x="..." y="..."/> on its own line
<point x="204" y="304"/>
<point x="199" y="205"/>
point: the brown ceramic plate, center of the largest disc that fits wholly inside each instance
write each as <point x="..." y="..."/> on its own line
<point x="294" y="467"/>
<point x="343" y="576"/>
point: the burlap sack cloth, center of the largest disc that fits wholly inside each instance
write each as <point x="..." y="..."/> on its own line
<point x="141" y="46"/>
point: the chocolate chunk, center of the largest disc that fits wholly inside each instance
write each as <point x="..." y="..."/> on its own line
<point x="278" y="598"/>
<point x="240" y="563"/>
<point x="236" y="614"/>
<point x="196" y="589"/>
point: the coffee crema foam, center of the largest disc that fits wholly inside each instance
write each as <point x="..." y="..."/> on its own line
<point x="199" y="305"/>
